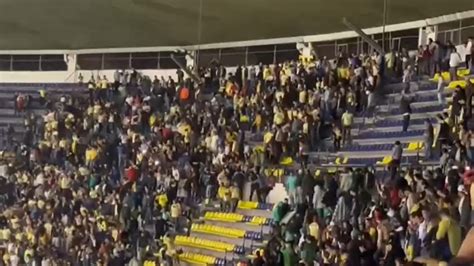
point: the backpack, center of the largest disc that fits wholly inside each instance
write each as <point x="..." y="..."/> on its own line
<point x="184" y="94"/>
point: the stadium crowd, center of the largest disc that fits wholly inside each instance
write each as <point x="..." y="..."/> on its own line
<point x="110" y="178"/>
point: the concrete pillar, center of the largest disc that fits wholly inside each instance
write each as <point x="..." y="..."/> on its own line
<point x="426" y="33"/>
<point x="71" y="63"/>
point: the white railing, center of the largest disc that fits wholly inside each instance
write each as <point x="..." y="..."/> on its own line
<point x="229" y="53"/>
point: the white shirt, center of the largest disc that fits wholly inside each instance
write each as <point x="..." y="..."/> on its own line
<point x="461" y="202"/>
<point x="440" y="85"/>
<point x="454" y="59"/>
<point x="407" y="74"/>
<point x="469" y="48"/>
<point x="422" y="230"/>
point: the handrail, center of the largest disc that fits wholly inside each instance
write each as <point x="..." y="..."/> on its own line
<point x="70" y="75"/>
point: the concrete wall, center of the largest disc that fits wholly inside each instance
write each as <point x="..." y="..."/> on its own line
<point x="65" y="76"/>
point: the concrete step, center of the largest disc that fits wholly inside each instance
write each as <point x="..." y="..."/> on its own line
<point x="265" y="229"/>
<point x="376" y="154"/>
<point x="235" y="241"/>
<point x="388" y="140"/>
<point x="256" y="212"/>
<point x="383" y="117"/>
<point x="370" y="128"/>
<point x="221" y="255"/>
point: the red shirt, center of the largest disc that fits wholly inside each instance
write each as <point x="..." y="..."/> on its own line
<point x="167" y="133"/>
<point x="131" y="173"/>
<point x="395" y="199"/>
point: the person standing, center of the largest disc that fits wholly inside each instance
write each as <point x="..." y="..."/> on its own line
<point x="291" y="183"/>
<point x="405" y="107"/>
<point x="454" y="62"/>
<point x="234" y="196"/>
<point x="469" y="91"/>
<point x="347" y="120"/>
<point x="469" y="50"/>
<point x="397" y="153"/>
<point x="428" y="139"/>
<point x="440" y="89"/>
<point x="464" y="209"/>
<point x="289" y="256"/>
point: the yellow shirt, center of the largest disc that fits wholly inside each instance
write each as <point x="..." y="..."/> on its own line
<point x="152" y="120"/>
<point x="267" y="74"/>
<point x="74" y="146"/>
<point x="258" y="120"/>
<point x="279" y="96"/>
<point x="162" y="200"/>
<point x="234" y="192"/>
<point x="91" y="155"/>
<point x="175" y="210"/>
<point x="224" y="193"/>
<point x="65" y="183"/>
<point x="279" y="118"/>
<point x="314" y="230"/>
<point x="448" y="227"/>
<point x="471" y="191"/>
<point x="104" y="84"/>
<point x="302" y="96"/>
<point x="347" y="119"/>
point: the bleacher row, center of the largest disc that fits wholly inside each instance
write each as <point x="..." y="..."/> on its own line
<point x="220" y="238"/>
<point x="224" y="238"/>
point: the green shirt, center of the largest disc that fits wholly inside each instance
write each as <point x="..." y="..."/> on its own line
<point x="308" y="252"/>
<point x="289" y="257"/>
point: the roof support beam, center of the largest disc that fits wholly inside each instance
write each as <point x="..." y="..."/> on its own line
<point x="364" y="36"/>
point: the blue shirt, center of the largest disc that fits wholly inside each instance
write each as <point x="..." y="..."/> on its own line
<point x="291" y="182"/>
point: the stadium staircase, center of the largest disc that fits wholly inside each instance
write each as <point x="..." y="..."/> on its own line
<point x="8" y="91"/>
<point x="219" y="238"/>
<point x="373" y="138"/>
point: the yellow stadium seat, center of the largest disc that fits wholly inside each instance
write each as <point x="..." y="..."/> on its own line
<point x="258" y="220"/>
<point x="247" y="205"/>
<point x="197" y="259"/>
<point x="318" y="172"/>
<point x="279" y="172"/>
<point x="267" y="137"/>
<point x="346" y="159"/>
<point x="461" y="83"/>
<point x="463" y="72"/>
<point x="223" y="217"/>
<point x="259" y="148"/>
<point x="447" y="76"/>
<point x="415" y="146"/>
<point x="204" y="244"/>
<point x="149" y="263"/>
<point x="276" y="172"/>
<point x="286" y="161"/>
<point x="386" y="160"/>
<point x="337" y="161"/>
<point x="218" y="230"/>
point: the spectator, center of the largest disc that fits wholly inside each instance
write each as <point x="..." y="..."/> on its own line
<point x="397" y="153"/>
<point x="454" y="62"/>
<point x="347" y="120"/>
<point x="405" y="107"/>
<point x="469" y="49"/>
<point x="428" y="139"/>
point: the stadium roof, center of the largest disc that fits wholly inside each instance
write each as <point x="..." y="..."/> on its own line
<point x="75" y="24"/>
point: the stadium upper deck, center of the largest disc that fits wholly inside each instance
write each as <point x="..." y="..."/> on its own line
<point x="59" y="24"/>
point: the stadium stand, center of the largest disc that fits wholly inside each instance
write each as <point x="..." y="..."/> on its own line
<point x="358" y="160"/>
